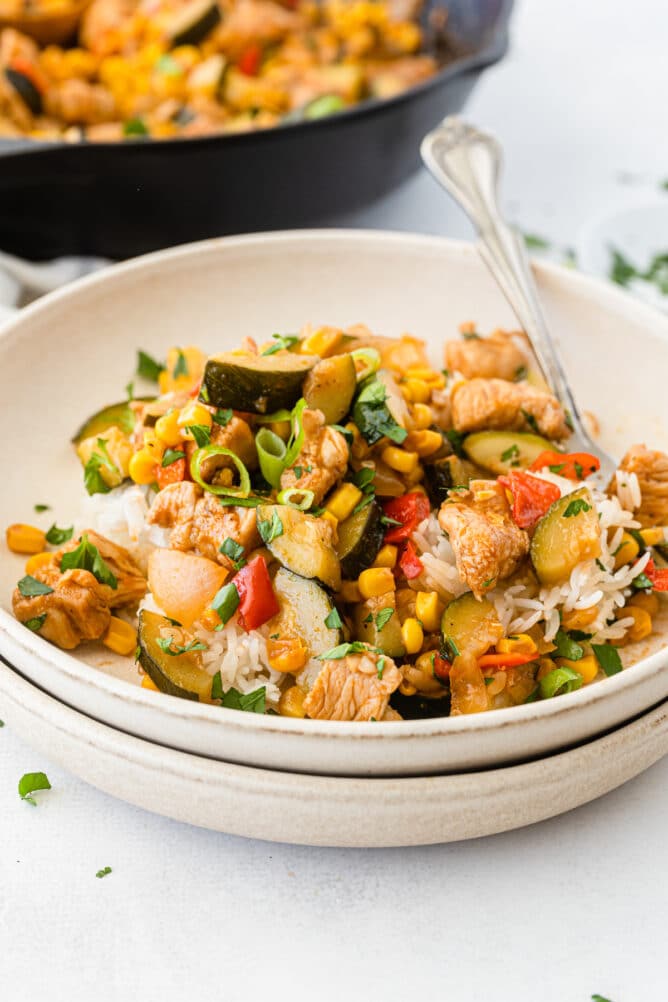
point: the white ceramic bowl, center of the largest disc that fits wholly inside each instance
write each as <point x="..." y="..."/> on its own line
<point x="73" y="351"/>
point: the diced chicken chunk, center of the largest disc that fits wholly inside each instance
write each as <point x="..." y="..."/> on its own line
<point x="651" y="469"/>
<point x="322" y="460"/>
<point x="236" y="436"/>
<point x="199" y="522"/>
<point x="488" y="545"/>
<point x="74" y="611"/>
<point x="480" y="404"/>
<point x="131" y="583"/>
<point x="493" y="357"/>
<point x="350" y="688"/>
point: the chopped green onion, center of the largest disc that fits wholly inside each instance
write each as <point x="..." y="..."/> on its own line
<point x="297" y="437"/>
<point x="271" y="452"/>
<point x="367" y="361"/>
<point x="323" y="106"/>
<point x="295" y="497"/>
<point x="560" y="681"/>
<point x="226" y="602"/>
<point x="242" y="491"/>
<point x="282" y="415"/>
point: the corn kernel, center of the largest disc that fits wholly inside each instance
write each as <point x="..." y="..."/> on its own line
<point x="427" y="610"/>
<point x="646" y="600"/>
<point x="332" y="519"/>
<point x="420" y="372"/>
<point x="642" y="622"/>
<point x="148" y="683"/>
<point x="23" y="538"/>
<point x="627" y="550"/>
<point x="587" y="667"/>
<point x="167" y="428"/>
<point x="426" y="442"/>
<point x="407" y="688"/>
<point x="210" y="619"/>
<point x="322" y="342"/>
<point x="143" y="467"/>
<point x="185" y="367"/>
<point x="423" y="416"/>
<point x="120" y="637"/>
<point x="291" y="703"/>
<point x="579" y="619"/>
<point x="287" y="653"/>
<point x="350" y="592"/>
<point x="387" y="556"/>
<point x="412" y="635"/>
<point x="38" y="560"/>
<point x="418" y="391"/>
<point x="413" y="478"/>
<point x="343" y="500"/>
<point x="518" y="643"/>
<point x="375" y="581"/>
<point x="399" y="460"/>
<point x="193" y="413"/>
<point x="653" y="537"/>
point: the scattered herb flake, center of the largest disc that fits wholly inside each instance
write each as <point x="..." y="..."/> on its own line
<point x="511" y="455"/>
<point x="297" y="470"/>
<point x="380" y="667"/>
<point x="535" y="242"/>
<point x="130" y="390"/>
<point x="333" y="620"/>
<point x="172" y="456"/>
<point x="608" y="658"/>
<point x="452" y="647"/>
<point x="456" y="440"/>
<point x="134" y="127"/>
<point x="234" y="551"/>
<point x="641" y="582"/>
<point x="282" y="342"/>
<point x="94" y="482"/>
<point x="342" y="651"/>
<point x="181" y="367"/>
<point x="372" y="415"/>
<point x="88" y="558"/>
<point x="531" y="421"/>
<point x="39" y="508"/>
<point x="200" y="433"/>
<point x="384" y="616"/>
<point x="56" y="536"/>
<point x="104" y="872"/>
<point x="521" y="372"/>
<point x="30" y="783"/>
<point x="557" y="468"/>
<point x="148" y="368"/>
<point x="223" y="417"/>
<point x="29" y="586"/>
<point x="567" y="647"/>
<point x="226" y="602"/>
<point x="251" y="702"/>
<point x="36" y="623"/>
<point x="167" y="645"/>
<point x="386" y="520"/>
<point x="576" y="506"/>
<point x="470" y="335"/>
<point x="270" y="529"/>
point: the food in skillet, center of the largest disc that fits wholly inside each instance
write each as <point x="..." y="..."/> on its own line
<point x="326" y="526"/>
<point x="165" y="68"/>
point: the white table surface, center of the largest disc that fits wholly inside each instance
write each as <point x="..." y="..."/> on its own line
<point x="556" y="912"/>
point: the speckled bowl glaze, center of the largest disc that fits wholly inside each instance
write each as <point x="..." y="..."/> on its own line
<point x="74" y="351"/>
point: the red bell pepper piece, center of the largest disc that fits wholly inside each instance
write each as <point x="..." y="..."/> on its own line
<point x="657" y="575"/>
<point x="172" y="474"/>
<point x="441" y="667"/>
<point x="410" y="510"/>
<point x="249" y="62"/>
<point x="531" y="497"/>
<point x="510" y="660"/>
<point x="257" y="601"/>
<point x="409" y="563"/>
<point x="574" y="465"/>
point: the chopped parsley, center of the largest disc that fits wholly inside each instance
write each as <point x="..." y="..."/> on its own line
<point x="384" y="616"/>
<point x="608" y="658"/>
<point x="56" y="536"/>
<point x="223" y="417"/>
<point x="233" y="551"/>
<point x="36" y="623"/>
<point x="29" y="587"/>
<point x="511" y="455"/>
<point x="364" y="480"/>
<point x="535" y="242"/>
<point x="471" y="336"/>
<point x="167" y="645"/>
<point x="641" y="583"/>
<point x="87" y="557"/>
<point x="282" y="342"/>
<point x="226" y="602"/>
<point x="531" y="421"/>
<point x="200" y="433"/>
<point x="30" y="783"/>
<point x="297" y="470"/>
<point x="372" y="415"/>
<point x="134" y="127"/>
<point x="579" y="472"/>
<point x="347" y="434"/>
<point x="521" y="372"/>
<point x="104" y="872"/>
<point x="369" y="618"/>
<point x="456" y="440"/>
<point x="567" y="647"/>
<point x="39" y="508"/>
<point x="452" y="647"/>
<point x="181" y="367"/>
<point x="94" y="482"/>
<point x="130" y="390"/>
<point x="386" y="520"/>
<point x="270" y="529"/>
<point x="251" y="702"/>
<point x="380" y="666"/>
<point x="342" y="651"/>
<point x="148" y="368"/>
<point x="557" y="468"/>
<point x="333" y="620"/>
<point x="172" y="456"/>
<point x="622" y="271"/>
<point x="576" y="506"/>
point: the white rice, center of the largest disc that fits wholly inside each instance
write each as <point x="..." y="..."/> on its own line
<point x="120" y="515"/>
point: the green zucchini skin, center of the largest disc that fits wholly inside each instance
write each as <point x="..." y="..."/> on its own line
<point x="468" y="625"/>
<point x="257" y="384"/>
<point x="304" y="607"/>
<point x="559" y="544"/>
<point x="301" y="547"/>
<point x="520" y="448"/>
<point x="26" y="90"/>
<point x="120" y="414"/>
<point x="330" y="387"/>
<point x="388" y="639"/>
<point x="360" y="538"/>
<point x="442" y="475"/>
<point x="420" y="707"/>
<point x="192" y="24"/>
<point x="177" y="675"/>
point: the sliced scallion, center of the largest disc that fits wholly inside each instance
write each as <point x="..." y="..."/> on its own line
<point x="295" y="497"/>
<point x="559" y="681"/>
<point x="367" y="361"/>
<point x="207" y="452"/>
<point x="271" y="452"/>
<point x="297" y="437"/>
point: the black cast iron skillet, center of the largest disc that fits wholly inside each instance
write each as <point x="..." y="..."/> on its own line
<point x="122" y="199"/>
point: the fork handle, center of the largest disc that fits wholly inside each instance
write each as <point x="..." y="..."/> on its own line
<point x="467" y="164"/>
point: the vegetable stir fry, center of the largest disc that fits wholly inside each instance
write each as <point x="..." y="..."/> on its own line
<point x="326" y="526"/>
<point x="166" y="68"/>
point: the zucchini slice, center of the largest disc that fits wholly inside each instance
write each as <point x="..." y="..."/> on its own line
<point x="192" y="23"/>
<point x="175" y="674"/>
<point x="360" y="538"/>
<point x="330" y="387"/>
<point x="26" y="90"/>
<point x="442" y="475"/>
<point x="502" y="451"/>
<point x="469" y="626"/>
<point x="259" y="384"/>
<point x="304" y="608"/>
<point x="121" y="415"/>
<point x="568" y="534"/>
<point x="301" y="544"/>
<point x="388" y="638"/>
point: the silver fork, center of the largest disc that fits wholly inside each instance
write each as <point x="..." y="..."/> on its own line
<point x="467" y="163"/>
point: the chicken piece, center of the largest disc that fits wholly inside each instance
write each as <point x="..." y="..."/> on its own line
<point x="483" y="404"/>
<point x="131" y="583"/>
<point x="254" y="22"/>
<point x="77" y="102"/>
<point x="651" y="469"/>
<point x="236" y="436"/>
<point x="493" y="357"/>
<point x="323" y="458"/>
<point x="102" y="23"/>
<point x="488" y="545"/>
<point x="74" y="611"/>
<point x="350" y="689"/>
<point x="199" y="522"/>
